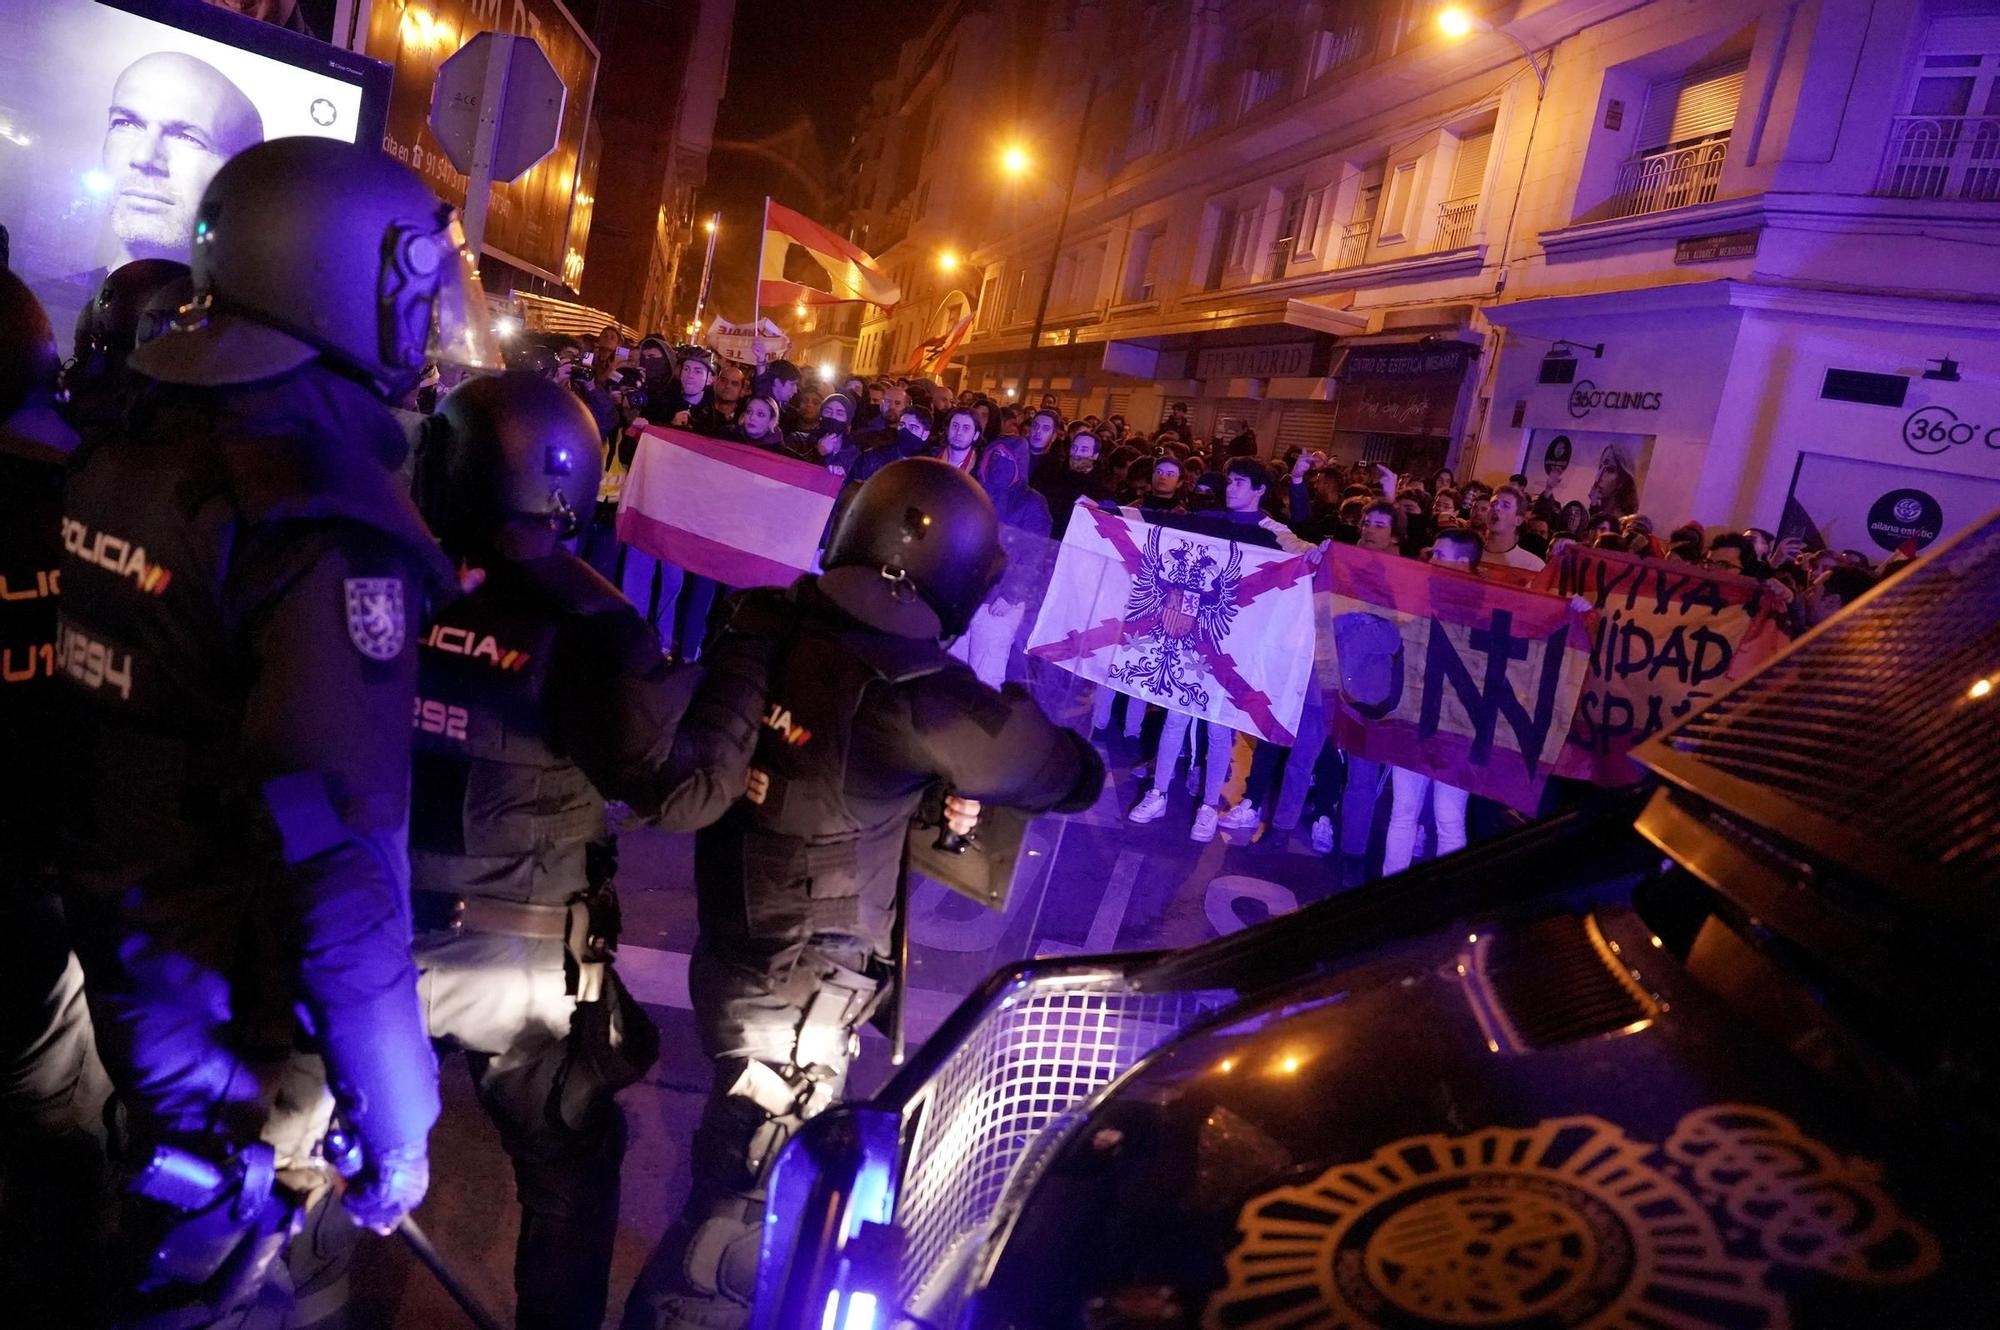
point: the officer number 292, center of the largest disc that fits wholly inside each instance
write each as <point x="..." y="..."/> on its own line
<point x="440" y="718"/>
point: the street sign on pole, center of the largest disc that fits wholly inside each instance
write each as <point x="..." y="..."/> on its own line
<point x="496" y="109"/>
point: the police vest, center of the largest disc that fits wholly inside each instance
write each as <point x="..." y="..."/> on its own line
<point x="31" y="479"/>
<point x="807" y="859"/>
<point x="151" y="645"/>
<point x="495" y="810"/>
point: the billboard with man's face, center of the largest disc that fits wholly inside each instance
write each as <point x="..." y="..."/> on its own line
<point x="114" y="116"/>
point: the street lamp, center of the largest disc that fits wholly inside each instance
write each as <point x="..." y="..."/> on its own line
<point x="707" y="264"/>
<point x="947" y="261"/>
<point x="1455" y="23"/>
<point x="1016" y="161"/>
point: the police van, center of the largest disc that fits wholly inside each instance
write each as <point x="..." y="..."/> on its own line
<point x="1716" y="1052"/>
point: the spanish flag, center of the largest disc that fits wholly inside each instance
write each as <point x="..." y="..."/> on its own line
<point x="851" y="270"/>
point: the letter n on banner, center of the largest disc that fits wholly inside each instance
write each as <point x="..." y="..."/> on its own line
<point x="1470" y="681"/>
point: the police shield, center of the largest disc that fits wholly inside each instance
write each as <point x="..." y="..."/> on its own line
<point x="979" y="866"/>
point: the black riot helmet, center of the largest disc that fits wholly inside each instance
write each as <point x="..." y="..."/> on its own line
<point x="515" y="446"/>
<point x="311" y="248"/>
<point x="916" y="551"/>
<point x="111" y="324"/>
<point x="163" y="307"/>
<point x="29" y="363"/>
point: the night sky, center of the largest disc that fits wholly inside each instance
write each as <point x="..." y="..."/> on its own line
<point x="791" y="62"/>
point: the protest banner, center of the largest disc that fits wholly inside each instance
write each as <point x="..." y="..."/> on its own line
<point x="1468" y="680"/>
<point x="738" y="514"/>
<point x="1183" y="618"/>
<point x="1666" y="636"/>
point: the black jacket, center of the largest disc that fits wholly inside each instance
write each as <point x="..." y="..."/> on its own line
<point x="859" y="725"/>
<point x="542" y="694"/>
<point x="34" y="449"/>
<point x="244" y="582"/>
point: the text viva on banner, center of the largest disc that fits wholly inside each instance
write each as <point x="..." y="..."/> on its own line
<point x="736" y="513"/>
<point x="1471" y="681"/>
<point x="1665" y="637"/>
<point x="1183" y="617"/>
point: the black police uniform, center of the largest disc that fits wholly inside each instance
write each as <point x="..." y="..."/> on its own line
<point x="52" y="1088"/>
<point x="797" y="898"/>
<point x="243" y="578"/>
<point x="541" y="694"/>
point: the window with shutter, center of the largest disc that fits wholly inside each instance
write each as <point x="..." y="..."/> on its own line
<point x="1691" y="107"/>
<point x="1469" y="173"/>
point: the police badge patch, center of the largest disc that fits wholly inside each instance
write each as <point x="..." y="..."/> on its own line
<point x="375" y="616"/>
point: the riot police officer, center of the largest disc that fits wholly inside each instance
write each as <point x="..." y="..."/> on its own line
<point x="52" y="1089"/>
<point x="798" y="883"/>
<point x="126" y="311"/>
<point x="243" y="580"/>
<point x="541" y="694"/>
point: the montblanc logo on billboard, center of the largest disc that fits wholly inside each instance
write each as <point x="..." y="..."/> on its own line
<point x="1587" y="397"/>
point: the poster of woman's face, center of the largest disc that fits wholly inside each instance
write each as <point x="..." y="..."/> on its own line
<point x="1591" y="467"/>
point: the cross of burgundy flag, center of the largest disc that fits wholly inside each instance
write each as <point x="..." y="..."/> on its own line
<point x="1185" y="619"/>
<point x="738" y="514"/>
<point x="1463" y="678"/>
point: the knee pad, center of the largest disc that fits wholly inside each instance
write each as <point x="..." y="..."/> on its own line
<point x="721" y="1259"/>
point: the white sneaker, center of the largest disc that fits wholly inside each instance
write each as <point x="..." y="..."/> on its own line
<point x="1149" y="808"/>
<point x="1203" y="830"/>
<point x="1322" y="835"/>
<point x="1240" y="818"/>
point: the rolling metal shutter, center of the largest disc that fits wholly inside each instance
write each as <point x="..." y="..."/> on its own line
<point x="1307" y="425"/>
<point x="1470" y="170"/>
<point x="1692" y="106"/>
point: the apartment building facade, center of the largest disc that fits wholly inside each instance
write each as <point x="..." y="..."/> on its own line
<point x="1747" y="255"/>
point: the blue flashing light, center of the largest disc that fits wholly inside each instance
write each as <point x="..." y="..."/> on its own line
<point x="861" y="1309"/>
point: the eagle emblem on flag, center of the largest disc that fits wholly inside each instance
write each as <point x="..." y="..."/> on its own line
<point x="1181" y="604"/>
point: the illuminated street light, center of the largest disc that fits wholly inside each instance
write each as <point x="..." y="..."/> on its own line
<point x="1014" y="161"/>
<point x="709" y="226"/>
<point x="826" y="372"/>
<point x="800" y="309"/>
<point x="1455" y="23"/>
<point x="506" y="325"/>
<point x="947" y="261"/>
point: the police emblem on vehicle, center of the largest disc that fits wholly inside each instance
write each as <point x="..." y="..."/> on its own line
<point x="1569" y="1224"/>
<point x="375" y="616"/>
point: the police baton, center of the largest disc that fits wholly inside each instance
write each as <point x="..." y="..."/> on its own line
<point x="899" y="943"/>
<point x="419" y="1244"/>
<point x="343" y="1156"/>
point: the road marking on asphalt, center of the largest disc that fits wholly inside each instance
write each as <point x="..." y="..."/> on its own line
<point x="1103" y="935"/>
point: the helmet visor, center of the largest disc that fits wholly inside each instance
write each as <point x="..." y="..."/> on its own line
<point x="461" y="326"/>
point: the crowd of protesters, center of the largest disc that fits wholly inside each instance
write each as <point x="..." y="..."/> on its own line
<point x="1036" y="464"/>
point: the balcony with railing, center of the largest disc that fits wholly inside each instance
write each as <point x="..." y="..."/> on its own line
<point x="1943" y="157"/>
<point x="1454" y="225"/>
<point x="1676" y="178"/>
